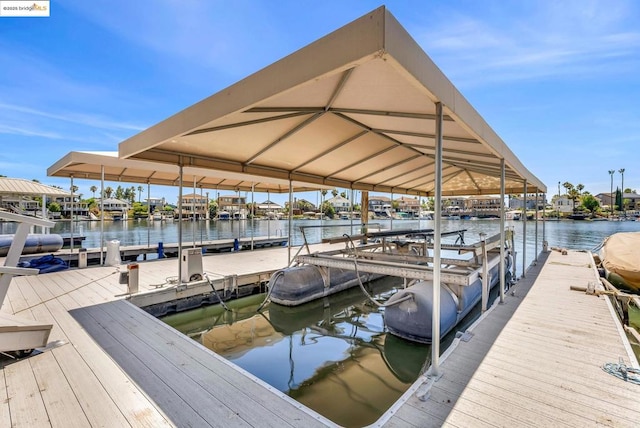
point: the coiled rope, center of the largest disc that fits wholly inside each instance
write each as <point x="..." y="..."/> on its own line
<point x="623" y="371"/>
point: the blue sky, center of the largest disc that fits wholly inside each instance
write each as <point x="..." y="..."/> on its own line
<point x="559" y="81"/>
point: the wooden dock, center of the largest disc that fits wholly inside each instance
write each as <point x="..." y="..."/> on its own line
<point x="534" y="361"/>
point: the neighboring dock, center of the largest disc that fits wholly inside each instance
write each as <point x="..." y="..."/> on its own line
<point x="534" y="361"/>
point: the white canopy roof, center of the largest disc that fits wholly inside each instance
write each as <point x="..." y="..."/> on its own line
<point x="21" y="186"/>
<point x="355" y="109"/>
<point x="88" y="165"/>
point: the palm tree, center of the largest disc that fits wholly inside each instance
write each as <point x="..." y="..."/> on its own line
<point x="93" y="190"/>
<point x="108" y="191"/>
<point x="140" y="189"/>
<point x="334" y="192"/>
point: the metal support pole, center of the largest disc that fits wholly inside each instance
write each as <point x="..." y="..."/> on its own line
<point x="253" y="212"/>
<point x="290" y="221"/>
<point x="101" y="215"/>
<point x="391" y="212"/>
<point x="524" y="232"/>
<point x="544" y="223"/>
<point x="502" y="235"/>
<point x="193" y="214"/>
<point x="351" y="213"/>
<point x="71" y="223"/>
<point x="148" y="215"/>
<point x="535" y="258"/>
<point x="485" y="273"/>
<point x="180" y="177"/>
<point x="435" y="320"/>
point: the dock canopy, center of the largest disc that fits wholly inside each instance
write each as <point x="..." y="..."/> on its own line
<point x="89" y="165"/>
<point x="20" y="186"/>
<point x="355" y="109"/>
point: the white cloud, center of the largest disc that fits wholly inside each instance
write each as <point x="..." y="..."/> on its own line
<point x="550" y="39"/>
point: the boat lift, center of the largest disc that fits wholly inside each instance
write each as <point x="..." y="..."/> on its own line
<point x="412" y="262"/>
<point x="18" y="335"/>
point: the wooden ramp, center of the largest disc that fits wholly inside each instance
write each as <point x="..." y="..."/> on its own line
<point x="191" y="384"/>
<point x="535" y="361"/>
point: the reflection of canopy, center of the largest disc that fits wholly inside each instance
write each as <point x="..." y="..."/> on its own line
<point x="355" y="109"/>
<point x="88" y="165"/>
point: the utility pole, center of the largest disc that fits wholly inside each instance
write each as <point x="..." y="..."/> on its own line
<point x="624" y="210"/>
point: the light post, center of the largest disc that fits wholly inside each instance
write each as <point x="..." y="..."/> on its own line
<point x="621" y="171"/>
<point x="558" y="202"/>
<point x="611" y="202"/>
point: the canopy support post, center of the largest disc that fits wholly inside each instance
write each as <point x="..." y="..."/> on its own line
<point x="435" y="320"/>
<point x="101" y="215"/>
<point x="180" y="177"/>
<point x="502" y="235"/>
<point x="524" y="231"/>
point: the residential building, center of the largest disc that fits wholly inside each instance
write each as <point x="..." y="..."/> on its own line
<point x="269" y="209"/>
<point x="563" y="204"/>
<point x="235" y="207"/>
<point x="339" y="203"/>
<point x="194" y="206"/>
<point x="79" y="208"/>
<point x="380" y="206"/>
<point x="408" y="205"/>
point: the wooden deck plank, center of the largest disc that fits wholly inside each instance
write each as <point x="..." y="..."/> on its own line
<point x="5" y="414"/>
<point x="60" y="402"/>
<point x="130" y="401"/>
<point x="205" y="370"/>
<point x="25" y="402"/>
<point x="99" y="408"/>
<point x="161" y="381"/>
<point x="539" y="363"/>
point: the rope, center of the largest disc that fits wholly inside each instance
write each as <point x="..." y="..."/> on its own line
<point x="272" y="282"/>
<point x="622" y="371"/>
<point x="364" y="290"/>
<point x="226" y="308"/>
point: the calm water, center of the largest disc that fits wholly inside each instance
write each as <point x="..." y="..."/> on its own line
<point x="582" y="235"/>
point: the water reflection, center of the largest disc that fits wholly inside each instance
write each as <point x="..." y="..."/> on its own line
<point x="332" y="355"/>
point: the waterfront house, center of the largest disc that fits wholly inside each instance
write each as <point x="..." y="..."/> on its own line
<point x="484" y="206"/>
<point x="80" y="209"/>
<point x="631" y="200"/>
<point x="234" y="206"/>
<point x="155" y="204"/>
<point x="269" y="209"/>
<point x="339" y="203"/>
<point x="410" y="206"/>
<point x="380" y="206"/>
<point x="563" y="204"/>
<point x="115" y="209"/>
<point x="194" y="205"/>
<point x="517" y="202"/>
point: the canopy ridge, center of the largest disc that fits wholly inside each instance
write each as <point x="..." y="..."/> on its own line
<point x="283" y="137"/>
<point x="331" y="149"/>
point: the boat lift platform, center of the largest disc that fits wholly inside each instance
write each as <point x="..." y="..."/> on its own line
<point x="412" y="261"/>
